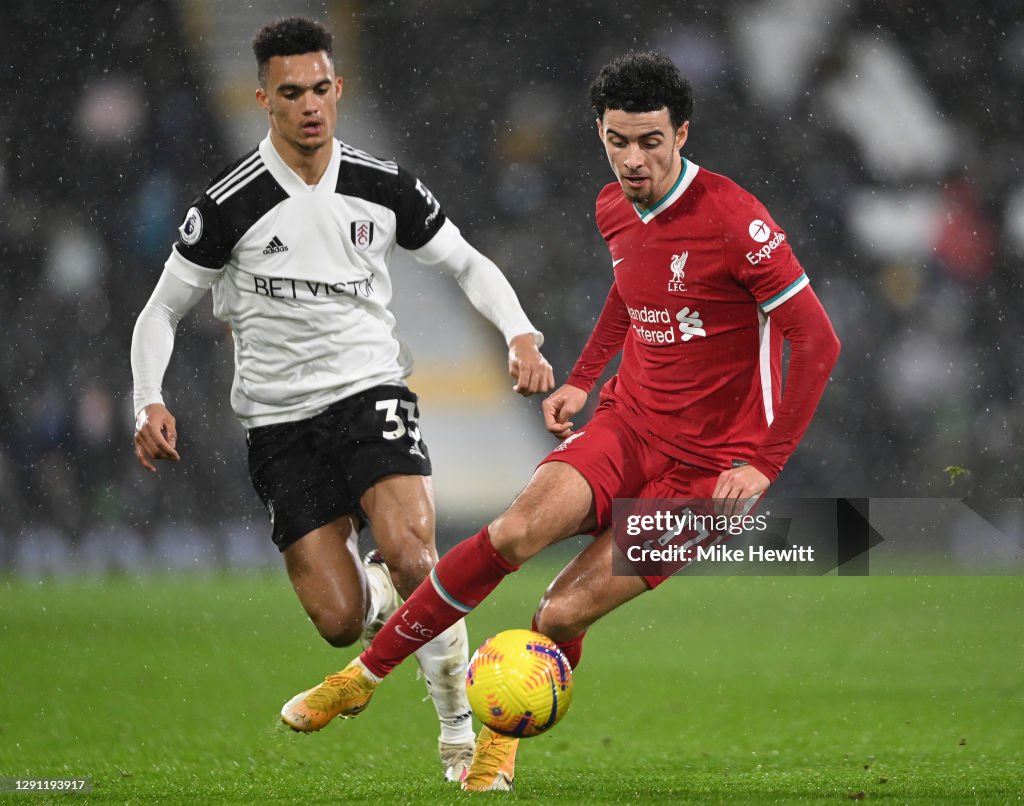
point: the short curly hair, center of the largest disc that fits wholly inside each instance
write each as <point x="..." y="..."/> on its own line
<point x="642" y="81"/>
<point x="289" y="37"/>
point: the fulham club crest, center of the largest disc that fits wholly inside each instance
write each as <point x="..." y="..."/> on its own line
<point x="362" y="234"/>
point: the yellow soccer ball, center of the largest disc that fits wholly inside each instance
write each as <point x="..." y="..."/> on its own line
<point x="519" y="683"/>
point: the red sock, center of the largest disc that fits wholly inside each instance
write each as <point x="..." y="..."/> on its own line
<point x="573" y="650"/>
<point x="459" y="582"/>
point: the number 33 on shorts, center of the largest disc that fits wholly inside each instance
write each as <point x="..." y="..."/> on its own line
<point x="399" y="424"/>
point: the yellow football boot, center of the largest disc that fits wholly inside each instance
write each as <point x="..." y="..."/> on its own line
<point x="344" y="694"/>
<point x="494" y="763"/>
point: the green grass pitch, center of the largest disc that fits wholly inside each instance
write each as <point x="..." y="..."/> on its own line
<point x="710" y="690"/>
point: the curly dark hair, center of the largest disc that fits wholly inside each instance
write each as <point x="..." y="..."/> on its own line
<point x="642" y="81"/>
<point x="289" y="37"/>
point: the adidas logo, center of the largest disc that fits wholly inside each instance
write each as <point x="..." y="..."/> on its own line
<point x="275" y="246"/>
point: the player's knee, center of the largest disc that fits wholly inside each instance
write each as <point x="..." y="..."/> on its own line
<point x="338" y="628"/>
<point x="558" y="619"/>
<point x="517" y="535"/>
<point x="409" y="569"/>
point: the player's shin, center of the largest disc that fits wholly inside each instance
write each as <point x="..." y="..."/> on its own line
<point x="443" y="662"/>
<point x="459" y="582"/>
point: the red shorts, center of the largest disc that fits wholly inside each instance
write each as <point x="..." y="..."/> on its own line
<point x="618" y="463"/>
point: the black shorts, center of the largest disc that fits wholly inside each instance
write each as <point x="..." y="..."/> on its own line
<point x="310" y="472"/>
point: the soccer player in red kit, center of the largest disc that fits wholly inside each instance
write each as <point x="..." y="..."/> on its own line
<point x="705" y="287"/>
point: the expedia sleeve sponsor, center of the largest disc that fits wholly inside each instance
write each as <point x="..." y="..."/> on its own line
<point x="759" y="252"/>
<point x="765" y="251"/>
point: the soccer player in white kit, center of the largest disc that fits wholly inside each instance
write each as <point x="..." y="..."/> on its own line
<point x="294" y="241"/>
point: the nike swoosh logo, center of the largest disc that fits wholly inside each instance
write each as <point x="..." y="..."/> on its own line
<point x="408" y="637"/>
<point x="617" y="262"/>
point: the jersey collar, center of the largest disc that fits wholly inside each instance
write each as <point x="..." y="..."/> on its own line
<point x="291" y="181"/>
<point x="686" y="176"/>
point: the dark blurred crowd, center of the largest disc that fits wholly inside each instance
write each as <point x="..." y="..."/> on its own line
<point x="106" y="139"/>
<point x="111" y="130"/>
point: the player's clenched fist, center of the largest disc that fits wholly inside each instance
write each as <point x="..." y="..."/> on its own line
<point x="155" y="436"/>
<point x="565" y="403"/>
<point x="530" y="370"/>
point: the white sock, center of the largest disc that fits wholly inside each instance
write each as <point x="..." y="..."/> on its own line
<point x="444" y="661"/>
<point x="379" y="593"/>
<point x="366" y="671"/>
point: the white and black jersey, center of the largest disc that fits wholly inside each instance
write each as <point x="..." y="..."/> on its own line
<point x="300" y="274"/>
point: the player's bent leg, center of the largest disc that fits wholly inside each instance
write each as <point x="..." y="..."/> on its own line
<point x="584" y="591"/>
<point x="556" y="504"/>
<point x="401" y="510"/>
<point x="325" y="571"/>
<point x="472" y="569"/>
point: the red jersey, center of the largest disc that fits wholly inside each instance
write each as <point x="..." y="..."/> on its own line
<point x="696" y="279"/>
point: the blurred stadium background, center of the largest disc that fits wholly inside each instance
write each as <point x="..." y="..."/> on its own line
<point x="885" y="137"/>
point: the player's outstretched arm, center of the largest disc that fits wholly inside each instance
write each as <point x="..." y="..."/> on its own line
<point x="492" y="295"/>
<point x="528" y="368"/>
<point x="814" y="349"/>
<point x="560" y="407"/>
<point x="155" y="436"/>
<point x="152" y="344"/>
